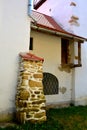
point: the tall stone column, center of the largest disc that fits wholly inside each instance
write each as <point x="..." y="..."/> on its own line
<point x="30" y="99"/>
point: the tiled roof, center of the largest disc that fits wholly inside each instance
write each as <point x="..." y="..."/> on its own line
<point x="31" y="57"/>
<point x="47" y="22"/>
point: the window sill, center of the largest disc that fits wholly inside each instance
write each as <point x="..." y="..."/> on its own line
<point x="71" y="65"/>
<point x="76" y="65"/>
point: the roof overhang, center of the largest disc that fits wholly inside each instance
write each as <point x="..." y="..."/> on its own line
<point x="58" y="33"/>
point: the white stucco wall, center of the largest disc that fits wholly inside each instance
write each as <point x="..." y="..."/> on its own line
<point x="49" y="47"/>
<point x="14" y="38"/>
<point x="81" y="73"/>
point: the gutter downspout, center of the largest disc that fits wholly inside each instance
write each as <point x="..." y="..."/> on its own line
<point x="30" y="7"/>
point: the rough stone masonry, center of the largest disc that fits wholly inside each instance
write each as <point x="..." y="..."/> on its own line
<point x="30" y="98"/>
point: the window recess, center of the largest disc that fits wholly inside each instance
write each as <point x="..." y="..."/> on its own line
<point x="31" y="43"/>
<point x="70" y="53"/>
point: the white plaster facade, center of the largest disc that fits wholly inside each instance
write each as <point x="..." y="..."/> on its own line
<point x="14" y="38"/>
<point x="81" y="73"/>
<point x="61" y="11"/>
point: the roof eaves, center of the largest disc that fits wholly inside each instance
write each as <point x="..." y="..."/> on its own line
<point x="57" y="32"/>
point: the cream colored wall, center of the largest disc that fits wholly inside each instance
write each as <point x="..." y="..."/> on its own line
<point x="14" y="38"/>
<point x="49" y="47"/>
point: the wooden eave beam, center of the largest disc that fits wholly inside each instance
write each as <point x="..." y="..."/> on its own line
<point x="39" y="4"/>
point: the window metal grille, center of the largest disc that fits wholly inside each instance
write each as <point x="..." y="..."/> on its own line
<point x="50" y="83"/>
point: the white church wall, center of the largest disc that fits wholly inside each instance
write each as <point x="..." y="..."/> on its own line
<point x="14" y="38"/>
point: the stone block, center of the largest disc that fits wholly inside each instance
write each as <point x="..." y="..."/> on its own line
<point x="33" y="83"/>
<point x="25" y="77"/>
<point x="31" y="109"/>
<point x="43" y="108"/>
<point x="26" y="65"/>
<point x="44" y="118"/>
<point x="40" y="64"/>
<point x="40" y="70"/>
<point x="42" y="96"/>
<point x="34" y="98"/>
<point x="24" y="95"/>
<point x="34" y="108"/>
<point x="39" y="101"/>
<point x="24" y="82"/>
<point x="22" y="104"/>
<point x="40" y="114"/>
<point x="38" y="75"/>
<point x="24" y="74"/>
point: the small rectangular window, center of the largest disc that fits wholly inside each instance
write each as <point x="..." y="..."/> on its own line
<point x="31" y="43"/>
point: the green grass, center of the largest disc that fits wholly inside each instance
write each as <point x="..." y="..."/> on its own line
<point x="71" y="118"/>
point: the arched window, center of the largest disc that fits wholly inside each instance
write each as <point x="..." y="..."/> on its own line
<point x="50" y="83"/>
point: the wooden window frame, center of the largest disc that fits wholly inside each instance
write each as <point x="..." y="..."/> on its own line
<point x="64" y="51"/>
<point x="79" y="55"/>
<point x="66" y="55"/>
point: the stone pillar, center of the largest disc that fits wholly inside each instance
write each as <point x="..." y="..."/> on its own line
<point x="30" y="99"/>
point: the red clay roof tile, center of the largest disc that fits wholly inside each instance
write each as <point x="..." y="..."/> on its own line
<point x="29" y="56"/>
<point x="47" y="22"/>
